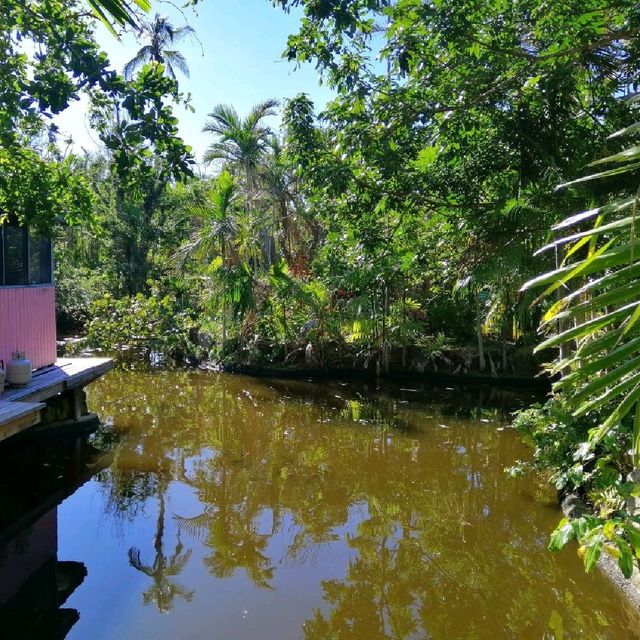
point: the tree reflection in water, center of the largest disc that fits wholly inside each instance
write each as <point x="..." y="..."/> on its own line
<point x="440" y="542"/>
<point x="163" y="589"/>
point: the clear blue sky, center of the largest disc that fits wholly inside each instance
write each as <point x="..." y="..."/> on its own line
<point x="237" y="61"/>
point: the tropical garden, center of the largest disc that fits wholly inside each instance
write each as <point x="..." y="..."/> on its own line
<point x="466" y="204"/>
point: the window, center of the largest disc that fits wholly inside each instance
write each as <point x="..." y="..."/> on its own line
<point x="25" y="258"/>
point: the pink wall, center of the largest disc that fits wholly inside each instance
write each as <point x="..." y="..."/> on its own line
<point x="28" y="323"/>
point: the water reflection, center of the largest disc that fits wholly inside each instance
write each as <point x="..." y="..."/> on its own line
<point x="35" y="477"/>
<point x="163" y="589"/>
<point x="382" y="513"/>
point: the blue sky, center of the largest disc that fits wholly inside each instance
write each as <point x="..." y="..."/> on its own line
<point x="236" y="61"/>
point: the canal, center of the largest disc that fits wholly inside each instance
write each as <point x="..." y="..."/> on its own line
<point x="216" y="506"/>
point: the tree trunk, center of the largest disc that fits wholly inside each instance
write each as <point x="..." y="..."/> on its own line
<point x="224" y="301"/>
<point x="481" y="359"/>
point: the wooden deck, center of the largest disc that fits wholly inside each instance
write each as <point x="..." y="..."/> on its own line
<point x="18" y="416"/>
<point x="20" y="407"/>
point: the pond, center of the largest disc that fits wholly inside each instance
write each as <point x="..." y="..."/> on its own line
<point x="217" y="506"/>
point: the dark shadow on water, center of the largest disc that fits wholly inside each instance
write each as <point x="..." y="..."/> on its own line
<point x="35" y="477"/>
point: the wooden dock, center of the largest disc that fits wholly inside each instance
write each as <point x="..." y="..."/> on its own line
<point x="21" y="407"/>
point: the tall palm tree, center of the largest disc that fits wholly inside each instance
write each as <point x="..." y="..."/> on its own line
<point x="243" y="143"/>
<point x="217" y="232"/>
<point x="159" y="35"/>
<point x="163" y="590"/>
<point x="240" y="141"/>
<point x="278" y="183"/>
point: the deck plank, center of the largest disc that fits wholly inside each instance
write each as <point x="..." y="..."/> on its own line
<point x="67" y="373"/>
<point x="18" y="416"/>
<point x="20" y="407"/>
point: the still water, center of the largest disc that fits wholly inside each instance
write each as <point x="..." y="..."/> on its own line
<point x="210" y="506"/>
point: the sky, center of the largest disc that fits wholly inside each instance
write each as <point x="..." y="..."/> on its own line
<point x="236" y="59"/>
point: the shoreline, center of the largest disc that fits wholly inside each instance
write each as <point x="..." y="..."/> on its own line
<point x="297" y="373"/>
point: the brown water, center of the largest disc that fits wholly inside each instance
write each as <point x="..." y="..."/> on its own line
<point x="235" y="508"/>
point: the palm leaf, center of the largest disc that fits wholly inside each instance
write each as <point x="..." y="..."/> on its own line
<point x="119" y="12"/>
<point x="177" y="60"/>
<point x="600" y="318"/>
<point x="139" y="60"/>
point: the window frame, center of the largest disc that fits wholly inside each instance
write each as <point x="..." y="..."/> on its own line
<point x="27" y="265"/>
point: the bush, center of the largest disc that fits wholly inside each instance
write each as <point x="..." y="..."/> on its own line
<point x="598" y="475"/>
<point x="77" y="289"/>
<point x="147" y="323"/>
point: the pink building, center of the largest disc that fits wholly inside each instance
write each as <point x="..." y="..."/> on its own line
<point x="27" y="296"/>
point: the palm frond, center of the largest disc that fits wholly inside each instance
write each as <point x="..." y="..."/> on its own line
<point x="139" y="60"/>
<point x="196" y="526"/>
<point x="218" y="151"/>
<point x="183" y="32"/>
<point x="176" y="59"/>
<point x="597" y="317"/>
<point x="223" y="119"/>
<point x="259" y="112"/>
<point x="117" y="12"/>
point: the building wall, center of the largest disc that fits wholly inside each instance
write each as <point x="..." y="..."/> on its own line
<point x="28" y="323"/>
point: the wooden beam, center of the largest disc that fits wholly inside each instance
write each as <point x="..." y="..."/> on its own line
<point x="18" y="416"/>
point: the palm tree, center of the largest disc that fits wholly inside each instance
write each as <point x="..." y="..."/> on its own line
<point x="278" y="183"/>
<point x="217" y="232"/>
<point x="243" y="143"/>
<point x="593" y="318"/>
<point x="159" y="35"/>
<point x="163" y="590"/>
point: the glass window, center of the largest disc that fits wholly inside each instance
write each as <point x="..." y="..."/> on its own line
<point x="39" y="260"/>
<point x="15" y="255"/>
<point x="25" y="258"/>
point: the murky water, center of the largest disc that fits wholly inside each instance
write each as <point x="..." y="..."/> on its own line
<point x="235" y="508"/>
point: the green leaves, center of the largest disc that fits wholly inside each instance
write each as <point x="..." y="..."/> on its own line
<point x="619" y="538"/>
<point x="158" y="321"/>
<point x="625" y="559"/>
<point x="602" y="314"/>
<point x="146" y="147"/>
<point x="43" y="193"/>
<point x="48" y="56"/>
<point x="117" y="11"/>
<point x="596" y="318"/>
<point x="593" y="552"/>
<point x="562" y="534"/>
<point x="426" y="158"/>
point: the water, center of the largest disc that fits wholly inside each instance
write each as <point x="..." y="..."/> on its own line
<point x="235" y="508"/>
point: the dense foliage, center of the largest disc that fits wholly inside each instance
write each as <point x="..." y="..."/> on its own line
<point x="48" y="58"/>
<point x="412" y="217"/>
<point x="594" y="324"/>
